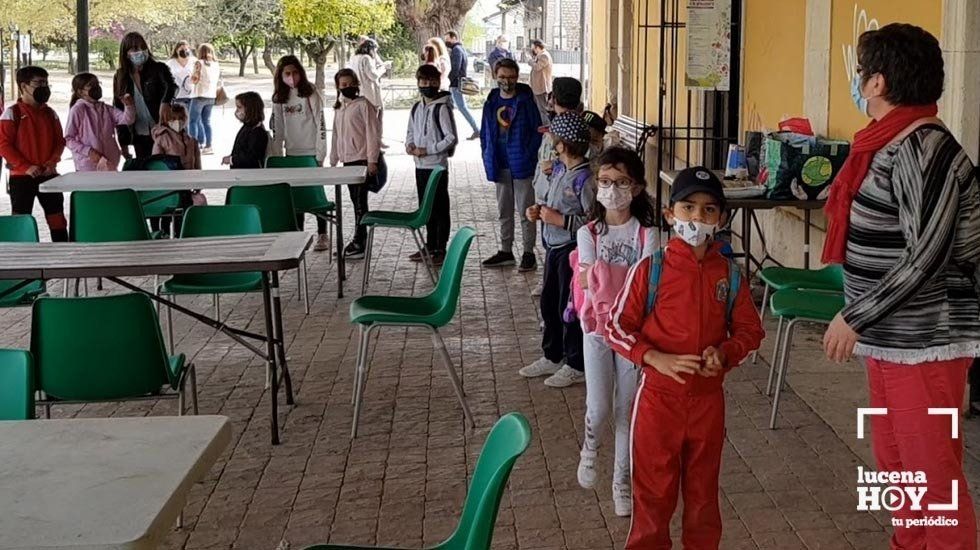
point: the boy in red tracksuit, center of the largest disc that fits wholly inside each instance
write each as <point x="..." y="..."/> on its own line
<point x="686" y="329"/>
<point x="31" y="141"/>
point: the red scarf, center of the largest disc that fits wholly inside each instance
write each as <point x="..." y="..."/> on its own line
<point x="867" y="142"/>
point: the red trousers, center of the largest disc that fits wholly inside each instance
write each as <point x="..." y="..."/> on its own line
<point x="676" y="442"/>
<point x="909" y="439"/>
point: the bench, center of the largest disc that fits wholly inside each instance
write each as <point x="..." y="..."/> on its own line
<point x="632" y="133"/>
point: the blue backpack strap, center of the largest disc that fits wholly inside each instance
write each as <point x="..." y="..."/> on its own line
<point x="734" y="282"/>
<point x="656" y="266"/>
<point x="579" y="183"/>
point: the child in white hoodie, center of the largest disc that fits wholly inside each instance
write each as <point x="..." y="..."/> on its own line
<point x="432" y="140"/>
<point x="356" y="142"/>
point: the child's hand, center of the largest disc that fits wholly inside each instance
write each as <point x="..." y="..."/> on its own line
<point x="372" y="168"/>
<point x="546" y="166"/>
<point x="127" y="100"/>
<point x="551" y="216"/>
<point x="226" y="160"/>
<point x="533" y="213"/>
<point x="672" y="365"/>
<point x="410" y="149"/>
<point x="94" y="156"/>
<point x="50" y="170"/>
<point x="583" y="276"/>
<point x="714" y="362"/>
<point x="420" y="152"/>
<point x="34" y="171"/>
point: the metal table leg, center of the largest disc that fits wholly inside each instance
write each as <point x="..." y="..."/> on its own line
<point x="341" y="263"/>
<point x="271" y="355"/>
<point x="747" y="240"/>
<point x="806" y="239"/>
<point x="280" y="337"/>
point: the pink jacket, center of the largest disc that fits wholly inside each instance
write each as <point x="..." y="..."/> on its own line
<point x="168" y="142"/>
<point x="356" y="132"/>
<point x="93" y="126"/>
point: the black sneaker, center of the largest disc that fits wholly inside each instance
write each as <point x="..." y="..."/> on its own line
<point x="500" y="259"/>
<point x="528" y="262"/>
<point x="438" y="257"/>
<point x="354" y="251"/>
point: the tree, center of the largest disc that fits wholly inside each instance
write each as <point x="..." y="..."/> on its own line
<point x="243" y="24"/>
<point x="428" y="18"/>
<point x="320" y="24"/>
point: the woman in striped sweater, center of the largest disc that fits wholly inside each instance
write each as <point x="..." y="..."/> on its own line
<point x="904" y="219"/>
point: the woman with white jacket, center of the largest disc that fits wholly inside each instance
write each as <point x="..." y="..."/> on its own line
<point x="369" y="69"/>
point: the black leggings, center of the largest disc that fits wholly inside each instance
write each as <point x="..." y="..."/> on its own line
<point x="359" y="196"/>
<point x="23" y="190"/>
<point x="437" y="230"/>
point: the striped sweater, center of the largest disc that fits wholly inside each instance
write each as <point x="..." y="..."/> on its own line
<point x="913" y="241"/>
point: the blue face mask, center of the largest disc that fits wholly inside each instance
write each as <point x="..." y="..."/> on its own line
<point x="859" y="101"/>
<point x="139" y="58"/>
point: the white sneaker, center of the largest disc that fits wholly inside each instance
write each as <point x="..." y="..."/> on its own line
<point x="622" y="499"/>
<point x="536" y="291"/>
<point x="541" y="367"/>
<point x="586" y="469"/>
<point x="322" y="243"/>
<point x="566" y="376"/>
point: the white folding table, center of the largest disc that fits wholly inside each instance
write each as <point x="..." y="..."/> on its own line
<point x="185" y="180"/>
<point x="107" y="483"/>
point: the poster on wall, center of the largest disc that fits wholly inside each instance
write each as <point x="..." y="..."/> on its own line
<point x="709" y="44"/>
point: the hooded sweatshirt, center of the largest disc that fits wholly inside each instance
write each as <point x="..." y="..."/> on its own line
<point x="30" y="136"/>
<point x="179" y="144"/>
<point x="356" y="132"/>
<point x="436" y="136"/>
<point x="299" y="127"/>
<point x="93" y="126"/>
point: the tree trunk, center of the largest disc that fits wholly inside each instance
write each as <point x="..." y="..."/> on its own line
<point x="71" y="58"/>
<point x="319" y="52"/>
<point x="255" y="60"/>
<point x="267" y="58"/>
<point x="242" y="59"/>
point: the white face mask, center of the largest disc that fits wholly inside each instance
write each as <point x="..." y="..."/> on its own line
<point x="176" y="125"/>
<point x="614" y="198"/>
<point x="694" y="233"/>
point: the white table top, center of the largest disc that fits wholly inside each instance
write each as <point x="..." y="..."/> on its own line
<point x="101" y="483"/>
<point x="182" y="180"/>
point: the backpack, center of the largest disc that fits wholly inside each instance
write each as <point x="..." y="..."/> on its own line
<point x="439" y="131"/>
<point x="656" y="266"/>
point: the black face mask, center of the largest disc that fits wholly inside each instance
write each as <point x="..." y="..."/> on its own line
<point x="183" y="53"/>
<point x="350" y="92"/>
<point x="95" y="92"/>
<point x="429" y="91"/>
<point x="42" y="94"/>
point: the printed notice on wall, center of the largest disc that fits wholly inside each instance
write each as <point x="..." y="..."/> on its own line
<point x="709" y="44"/>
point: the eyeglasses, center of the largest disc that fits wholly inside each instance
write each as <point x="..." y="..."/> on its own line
<point x="38" y="83"/>
<point x="620" y="184"/>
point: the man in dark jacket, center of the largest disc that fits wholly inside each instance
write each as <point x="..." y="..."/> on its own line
<point x="458" y="61"/>
<point x="499" y="52"/>
<point x="510" y="141"/>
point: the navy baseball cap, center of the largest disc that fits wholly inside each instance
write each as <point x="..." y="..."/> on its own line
<point x="697" y="179"/>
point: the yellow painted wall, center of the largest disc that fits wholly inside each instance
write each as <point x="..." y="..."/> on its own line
<point x="599" y="55"/>
<point x="847" y="24"/>
<point x="773" y="57"/>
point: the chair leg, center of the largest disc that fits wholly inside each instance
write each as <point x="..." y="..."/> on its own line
<point x="78" y="282"/>
<point x="360" y="380"/>
<point x="369" y="249"/>
<point x="193" y="373"/>
<point x="47" y="411"/>
<point x="762" y="317"/>
<point x="438" y="342"/>
<point x="426" y="259"/>
<point x="217" y="306"/>
<point x="306" y="286"/>
<point x="65" y="292"/>
<point x="170" y="325"/>
<point x="330" y="225"/>
<point x="361" y="352"/>
<point x="774" y="360"/>
<point x="98" y="283"/>
<point x="180" y="398"/>
<point x="85" y="286"/>
<point x="783" y="365"/>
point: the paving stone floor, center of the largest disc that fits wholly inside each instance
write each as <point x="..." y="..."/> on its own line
<point x="402" y="481"/>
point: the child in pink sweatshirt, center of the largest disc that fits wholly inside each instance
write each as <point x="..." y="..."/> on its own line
<point x="90" y="131"/>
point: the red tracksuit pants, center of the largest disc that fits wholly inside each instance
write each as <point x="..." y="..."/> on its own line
<point x="910" y="439"/>
<point x="676" y="442"/>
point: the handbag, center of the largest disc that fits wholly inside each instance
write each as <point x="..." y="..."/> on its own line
<point x="468" y="86"/>
<point x="799" y="166"/>
<point x="377" y="182"/>
<point x="221" y="97"/>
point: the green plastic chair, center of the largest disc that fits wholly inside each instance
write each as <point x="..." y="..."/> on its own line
<point x="19" y="229"/>
<point x="829" y="279"/>
<point x="796" y="306"/>
<point x="214" y="221"/>
<point x="119" y="357"/>
<point x="508" y="440"/>
<point x="412" y="221"/>
<point x="432" y="311"/>
<point x="159" y="204"/>
<point x="307" y="199"/>
<point x="275" y="204"/>
<point x="16" y="385"/>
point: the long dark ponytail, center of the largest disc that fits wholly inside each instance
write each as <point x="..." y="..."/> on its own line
<point x="78" y="83"/>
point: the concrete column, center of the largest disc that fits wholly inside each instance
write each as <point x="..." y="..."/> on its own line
<point x="624" y="61"/>
<point x="960" y="105"/>
<point x="612" y="67"/>
<point x="816" y="71"/>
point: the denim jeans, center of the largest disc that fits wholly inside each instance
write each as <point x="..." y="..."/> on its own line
<point x="460" y="102"/>
<point x="199" y="124"/>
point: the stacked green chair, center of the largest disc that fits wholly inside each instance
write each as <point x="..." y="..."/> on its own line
<point x="19" y="229"/>
<point x="308" y="199"/>
<point x="412" y="221"/>
<point x="106" y="348"/>
<point x="796" y="306"/>
<point x="508" y="440"/>
<point x="16" y="385"/>
<point x="276" y="210"/>
<point x="828" y="279"/>
<point x="160" y="204"/>
<point x="214" y="221"/>
<point x="432" y="311"/>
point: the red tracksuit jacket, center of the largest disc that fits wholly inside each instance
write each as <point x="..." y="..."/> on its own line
<point x="36" y="139"/>
<point x="678" y="430"/>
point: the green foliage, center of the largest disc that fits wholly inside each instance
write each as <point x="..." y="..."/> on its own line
<point x="105" y="51"/>
<point x="337" y="18"/>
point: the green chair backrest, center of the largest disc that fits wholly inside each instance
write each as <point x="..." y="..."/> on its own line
<point x="16" y="385"/>
<point x="508" y="440"/>
<point x="446" y="293"/>
<point x="99" y="348"/>
<point x="20" y="228"/>
<point x="429" y="198"/>
<point x="275" y="204"/>
<point x="158" y="203"/>
<point x="837" y="271"/>
<point x="219" y="221"/>
<point x="306" y="196"/>
<point x="106" y="216"/>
